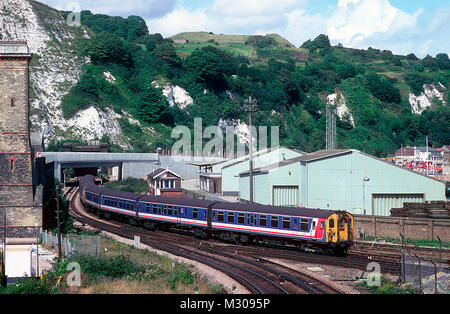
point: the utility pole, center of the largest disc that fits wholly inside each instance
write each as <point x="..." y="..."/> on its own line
<point x="59" y="222"/>
<point x="250" y="106"/>
<point x="330" y="126"/>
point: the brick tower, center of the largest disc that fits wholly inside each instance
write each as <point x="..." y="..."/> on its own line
<point x="16" y="188"/>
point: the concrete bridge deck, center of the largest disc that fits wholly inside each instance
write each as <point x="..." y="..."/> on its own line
<point x="130" y="165"/>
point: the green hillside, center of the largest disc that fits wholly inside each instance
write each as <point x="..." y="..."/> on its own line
<point x="291" y="85"/>
<point x="257" y="48"/>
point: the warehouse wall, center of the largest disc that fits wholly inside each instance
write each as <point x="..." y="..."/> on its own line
<point x="230" y="175"/>
<point x="337" y="183"/>
<point x="289" y="175"/>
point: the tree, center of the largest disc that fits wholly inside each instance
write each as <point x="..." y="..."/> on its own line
<point x="168" y="54"/>
<point x="412" y="56"/>
<point x="382" y="89"/>
<point x="106" y="48"/>
<point x="136" y="27"/>
<point x="208" y="64"/>
<point x="429" y="62"/>
<point x="443" y="61"/>
<point x="322" y="42"/>
<point x="150" y="104"/>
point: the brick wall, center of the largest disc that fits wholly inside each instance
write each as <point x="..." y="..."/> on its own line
<point x="16" y="181"/>
<point x="412" y="228"/>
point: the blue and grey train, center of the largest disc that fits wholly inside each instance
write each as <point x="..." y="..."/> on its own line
<point x="325" y="230"/>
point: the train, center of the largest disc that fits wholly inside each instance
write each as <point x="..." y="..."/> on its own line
<point x="326" y="231"/>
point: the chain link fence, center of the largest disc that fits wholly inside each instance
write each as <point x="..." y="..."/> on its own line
<point x="73" y="244"/>
<point x="430" y="277"/>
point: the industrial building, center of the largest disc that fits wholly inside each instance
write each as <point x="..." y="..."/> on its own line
<point x="343" y="179"/>
<point x="224" y="177"/>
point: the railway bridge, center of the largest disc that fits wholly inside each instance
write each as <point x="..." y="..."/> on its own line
<point x="129" y="165"/>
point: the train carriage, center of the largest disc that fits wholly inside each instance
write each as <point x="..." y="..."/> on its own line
<point x="326" y="230"/>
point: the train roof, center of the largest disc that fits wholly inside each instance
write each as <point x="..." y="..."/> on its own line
<point x="183" y="201"/>
<point x="88" y="181"/>
<point x="277" y="210"/>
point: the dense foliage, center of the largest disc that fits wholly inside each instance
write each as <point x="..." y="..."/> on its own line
<point x="291" y="93"/>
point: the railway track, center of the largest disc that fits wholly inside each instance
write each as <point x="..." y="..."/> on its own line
<point x="358" y="260"/>
<point x="394" y="251"/>
<point x="254" y="275"/>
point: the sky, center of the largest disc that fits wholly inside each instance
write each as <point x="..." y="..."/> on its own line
<point x="403" y="26"/>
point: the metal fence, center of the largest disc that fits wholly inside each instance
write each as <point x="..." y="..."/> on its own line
<point x="73" y="244"/>
<point x="427" y="276"/>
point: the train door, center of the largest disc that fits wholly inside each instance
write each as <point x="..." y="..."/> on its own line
<point x="295" y="223"/>
<point x="343" y="228"/>
<point x="313" y="227"/>
<point x="251" y="220"/>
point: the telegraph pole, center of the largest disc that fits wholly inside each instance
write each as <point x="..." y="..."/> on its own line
<point x="250" y="105"/>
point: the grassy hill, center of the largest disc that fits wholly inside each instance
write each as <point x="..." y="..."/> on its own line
<point x="257" y="48"/>
<point x="291" y="85"/>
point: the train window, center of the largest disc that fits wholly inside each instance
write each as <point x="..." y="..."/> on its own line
<point x="169" y="210"/>
<point x="220" y="216"/>
<point x="253" y="220"/>
<point x="322" y="225"/>
<point x="304" y="225"/>
<point x="263" y="221"/>
<point x="195" y="213"/>
<point x="182" y="211"/>
<point x="274" y="221"/>
<point x="214" y="216"/>
<point x="241" y="219"/>
<point x="230" y="217"/>
<point x="147" y="208"/>
<point x="314" y="225"/>
<point x="286" y="223"/>
<point x="175" y="211"/>
<point x="331" y="223"/>
<point x="341" y="224"/>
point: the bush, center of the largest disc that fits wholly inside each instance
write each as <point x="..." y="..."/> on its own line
<point x="130" y="185"/>
<point x="29" y="286"/>
<point x="116" y="267"/>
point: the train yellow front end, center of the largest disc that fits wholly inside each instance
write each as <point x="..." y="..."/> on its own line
<point x="340" y="232"/>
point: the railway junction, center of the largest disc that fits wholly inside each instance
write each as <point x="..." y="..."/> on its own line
<point x="267" y="269"/>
